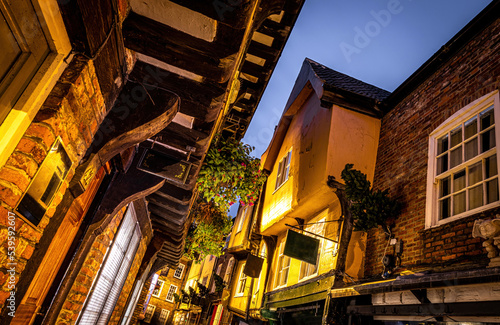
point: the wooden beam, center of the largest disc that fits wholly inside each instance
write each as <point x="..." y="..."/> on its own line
<point x="230" y="12"/>
<point x="203" y="93"/>
<point x="212" y="60"/>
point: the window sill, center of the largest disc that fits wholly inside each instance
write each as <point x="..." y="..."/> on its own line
<point x="281" y="185"/>
<point x="463" y="215"/>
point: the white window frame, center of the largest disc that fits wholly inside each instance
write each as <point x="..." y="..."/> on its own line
<point x="263" y="254"/>
<point x="39" y="86"/>
<point x="242" y="280"/>
<point x="463" y="115"/>
<point x="170" y="293"/>
<point x="283" y="170"/>
<point x="281" y="267"/>
<point x="241" y="219"/>
<point x="319" y="229"/>
<point x="177" y="273"/>
<point x="159" y="290"/>
<point x="227" y="274"/>
<point x="150" y="311"/>
<point x="164" y="316"/>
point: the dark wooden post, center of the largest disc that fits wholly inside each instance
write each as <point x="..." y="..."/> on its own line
<point x="347" y="226"/>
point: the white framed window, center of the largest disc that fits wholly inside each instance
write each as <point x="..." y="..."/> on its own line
<point x="462" y="177"/>
<point x="170" y="294"/>
<point x="229" y="268"/>
<point x="283" y="170"/>
<point x="262" y="254"/>
<point x="158" y="288"/>
<point x="283" y="267"/>
<point x="150" y="311"/>
<point x="219" y="268"/>
<point x="164" y="316"/>
<point x="240" y="289"/>
<point x="308" y="270"/>
<point x="241" y="219"/>
<point x="179" y="271"/>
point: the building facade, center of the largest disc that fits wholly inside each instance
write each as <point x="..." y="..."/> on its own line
<point x="438" y="154"/>
<point x="103" y="132"/>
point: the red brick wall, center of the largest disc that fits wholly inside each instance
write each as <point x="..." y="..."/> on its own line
<point x="83" y="282"/>
<point x="403" y="148"/>
<point x="73" y="111"/>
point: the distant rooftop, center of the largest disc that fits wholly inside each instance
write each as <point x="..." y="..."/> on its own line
<point x="342" y="81"/>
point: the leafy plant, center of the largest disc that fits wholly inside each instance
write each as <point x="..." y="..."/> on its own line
<point x="230" y="174"/>
<point x="370" y="208"/>
<point x="208" y="231"/>
<point x="219" y="283"/>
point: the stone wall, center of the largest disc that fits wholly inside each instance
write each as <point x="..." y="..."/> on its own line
<point x="73" y="111"/>
<point x="403" y="153"/>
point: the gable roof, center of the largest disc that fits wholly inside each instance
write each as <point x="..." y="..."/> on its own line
<point x="332" y="88"/>
<point x="334" y="79"/>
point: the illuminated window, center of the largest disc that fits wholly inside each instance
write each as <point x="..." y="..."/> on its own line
<point x="240" y="290"/>
<point x="263" y="254"/>
<point x="159" y="286"/>
<point x="164" y="316"/>
<point x="170" y="294"/>
<point x="33" y="43"/>
<point x="463" y="174"/>
<point x="283" y="170"/>
<point x="241" y="220"/>
<point x="150" y="311"/>
<point x="308" y="270"/>
<point x="229" y="268"/>
<point x="179" y="271"/>
<point x="106" y="288"/>
<point x="283" y="267"/>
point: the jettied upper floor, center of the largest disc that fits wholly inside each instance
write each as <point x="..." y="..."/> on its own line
<point x="173" y="74"/>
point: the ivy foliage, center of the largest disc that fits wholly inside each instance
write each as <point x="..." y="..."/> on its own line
<point x="229" y="174"/>
<point x="370" y="208"/>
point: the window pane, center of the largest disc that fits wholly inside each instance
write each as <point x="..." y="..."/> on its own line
<point x="491" y="166"/>
<point x="492" y="190"/>
<point x="471" y="149"/>
<point x="442" y="144"/>
<point x="487" y="118"/>
<point x="444" y="188"/>
<point x="475" y="173"/>
<point x="444" y="208"/>
<point x="456" y="157"/>
<point x="442" y="164"/>
<point x="459" y="181"/>
<point x="476" y="197"/>
<point x="456" y="136"/>
<point x="470" y="128"/>
<point x="487" y="140"/>
<point x="458" y="203"/>
<point x="10" y="48"/>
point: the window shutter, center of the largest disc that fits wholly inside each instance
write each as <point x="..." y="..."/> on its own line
<point x="109" y="283"/>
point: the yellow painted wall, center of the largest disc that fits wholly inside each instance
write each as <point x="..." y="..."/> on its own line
<point x="239" y="301"/>
<point x="323" y="141"/>
<point x="353" y="139"/>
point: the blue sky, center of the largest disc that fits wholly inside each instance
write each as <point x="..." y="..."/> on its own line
<point x="399" y="36"/>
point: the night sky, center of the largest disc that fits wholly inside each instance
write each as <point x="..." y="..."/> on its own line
<point x="381" y="42"/>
